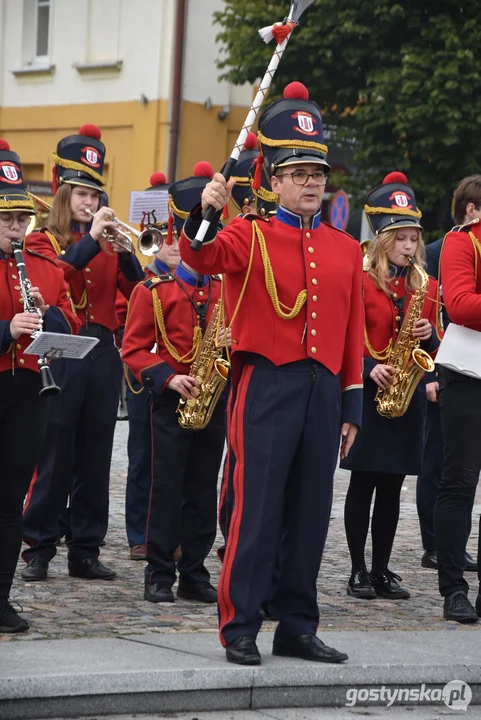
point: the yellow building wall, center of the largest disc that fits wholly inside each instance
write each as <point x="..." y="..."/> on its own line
<point x="136" y="138"/>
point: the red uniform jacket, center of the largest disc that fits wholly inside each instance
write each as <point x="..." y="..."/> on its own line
<point x="92" y="274"/>
<point x="141" y="333"/>
<point x="461" y="275"/>
<point x="325" y="261"/>
<point x="383" y="321"/>
<point x="60" y="317"/>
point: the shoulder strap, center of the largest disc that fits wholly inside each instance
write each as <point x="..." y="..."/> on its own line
<point x="152" y="282"/>
<point x="54" y="242"/>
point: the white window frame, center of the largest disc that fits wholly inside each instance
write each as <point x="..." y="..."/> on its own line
<point x="42" y="59"/>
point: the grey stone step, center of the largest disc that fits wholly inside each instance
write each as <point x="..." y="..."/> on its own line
<point x="188" y="672"/>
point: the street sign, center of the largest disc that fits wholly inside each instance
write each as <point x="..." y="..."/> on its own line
<point x="339" y="210"/>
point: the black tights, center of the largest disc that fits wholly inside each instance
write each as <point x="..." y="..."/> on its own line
<point x="22" y="415"/>
<point x="385" y="517"/>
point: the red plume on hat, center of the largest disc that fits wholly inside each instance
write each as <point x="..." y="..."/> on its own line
<point x="203" y="169"/>
<point x="296" y="90"/>
<point x="4" y="144"/>
<point x="157" y="178"/>
<point x="250" y="141"/>
<point x="90" y="130"/>
<point x="395" y="177"/>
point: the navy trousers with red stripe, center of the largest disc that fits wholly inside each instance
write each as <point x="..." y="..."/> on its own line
<point x="284" y="440"/>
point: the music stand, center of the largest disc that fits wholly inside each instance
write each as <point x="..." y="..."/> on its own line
<point x="57" y="345"/>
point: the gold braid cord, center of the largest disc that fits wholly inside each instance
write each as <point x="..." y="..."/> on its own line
<point x="271" y="286"/>
<point x="382" y="355"/>
<point x="391" y="211"/>
<point x="82" y="304"/>
<point x="294" y="144"/>
<point x="6" y="204"/>
<point x="73" y="165"/>
<point x="477" y="251"/>
<point x="189" y="357"/>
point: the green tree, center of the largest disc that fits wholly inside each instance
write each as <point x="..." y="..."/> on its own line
<point x="399" y="81"/>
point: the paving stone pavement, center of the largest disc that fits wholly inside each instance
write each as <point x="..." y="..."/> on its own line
<point x="64" y="607"/>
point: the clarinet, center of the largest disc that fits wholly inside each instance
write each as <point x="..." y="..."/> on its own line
<point x="49" y="387"/>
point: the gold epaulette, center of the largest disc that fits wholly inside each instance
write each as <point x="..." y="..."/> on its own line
<point x="152" y="282"/>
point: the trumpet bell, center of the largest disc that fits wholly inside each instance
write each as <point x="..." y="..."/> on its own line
<point x="149" y="241"/>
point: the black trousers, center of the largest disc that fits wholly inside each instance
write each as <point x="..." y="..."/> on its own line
<point x="76" y="456"/>
<point x="430" y="476"/>
<point x="384" y="522"/>
<point x="139" y="450"/>
<point x="460" y="405"/>
<point x="22" y="414"/>
<point x="183" y="499"/>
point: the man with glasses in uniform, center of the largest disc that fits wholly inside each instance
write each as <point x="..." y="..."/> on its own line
<point x="293" y="289"/>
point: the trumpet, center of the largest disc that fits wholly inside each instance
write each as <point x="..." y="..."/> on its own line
<point x="149" y="241"/>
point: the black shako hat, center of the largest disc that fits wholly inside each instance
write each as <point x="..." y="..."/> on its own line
<point x="13" y="195"/>
<point x="392" y="205"/>
<point x="186" y="193"/>
<point x="291" y="132"/>
<point x="79" y="159"/>
<point x="242" y="193"/>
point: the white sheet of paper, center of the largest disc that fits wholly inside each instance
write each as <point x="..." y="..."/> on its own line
<point x="141" y="202"/>
<point x="460" y="350"/>
<point x="57" y="345"/>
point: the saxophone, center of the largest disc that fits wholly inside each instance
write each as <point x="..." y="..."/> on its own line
<point x="407" y="358"/>
<point x="210" y="370"/>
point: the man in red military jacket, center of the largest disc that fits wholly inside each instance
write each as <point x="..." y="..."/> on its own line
<point x="293" y="287"/>
<point x="460" y="407"/>
<point x="75" y="460"/>
<point x="167" y="317"/>
<point x="22" y="410"/>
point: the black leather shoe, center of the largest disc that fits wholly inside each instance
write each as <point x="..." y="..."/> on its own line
<point x="430" y="560"/>
<point x="478" y="604"/>
<point x="471" y="564"/>
<point x="10" y="620"/>
<point x="37" y="569"/>
<point x="306" y="647"/>
<point x="202" y="592"/>
<point x="243" y="651"/>
<point x="457" y="607"/>
<point x="386" y="585"/>
<point x="360" y="586"/>
<point x="156" y="593"/>
<point x="90" y="568"/>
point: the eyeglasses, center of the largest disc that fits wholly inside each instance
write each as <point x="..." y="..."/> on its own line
<point x="300" y="178"/>
<point x="7" y="219"/>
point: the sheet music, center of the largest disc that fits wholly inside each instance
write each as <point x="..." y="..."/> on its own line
<point x="141" y="202"/>
<point x="57" y="345"/>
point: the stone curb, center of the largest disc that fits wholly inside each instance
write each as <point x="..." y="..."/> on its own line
<point x="185" y="672"/>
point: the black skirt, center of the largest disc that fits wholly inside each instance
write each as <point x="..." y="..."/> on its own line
<point x="385" y="445"/>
